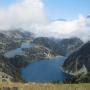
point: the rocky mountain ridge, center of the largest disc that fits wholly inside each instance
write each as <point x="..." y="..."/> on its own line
<point x="78" y="63"/>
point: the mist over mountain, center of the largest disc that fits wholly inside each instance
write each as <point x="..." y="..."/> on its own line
<point x="60" y="46"/>
<point x="23" y="14"/>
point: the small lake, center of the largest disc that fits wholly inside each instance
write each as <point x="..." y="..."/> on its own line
<point x="44" y="71"/>
<point x="18" y="51"/>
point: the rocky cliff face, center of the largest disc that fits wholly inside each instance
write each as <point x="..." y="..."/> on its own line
<point x="78" y="63"/>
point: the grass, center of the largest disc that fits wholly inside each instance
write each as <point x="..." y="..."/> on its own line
<point x="33" y="86"/>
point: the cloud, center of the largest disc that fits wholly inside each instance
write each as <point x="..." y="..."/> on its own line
<point x="79" y="27"/>
<point x="23" y="13"/>
<point x="30" y="15"/>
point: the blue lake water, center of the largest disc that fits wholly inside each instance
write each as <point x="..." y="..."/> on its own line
<point x="18" y="51"/>
<point x="44" y="71"/>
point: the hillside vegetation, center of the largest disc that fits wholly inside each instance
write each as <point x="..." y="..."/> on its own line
<point x="34" y="86"/>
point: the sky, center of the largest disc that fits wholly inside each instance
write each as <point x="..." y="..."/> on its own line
<point x="7" y="2"/>
<point x="67" y="8"/>
<point x="46" y="17"/>
<point x="61" y="9"/>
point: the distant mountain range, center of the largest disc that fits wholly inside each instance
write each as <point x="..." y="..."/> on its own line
<point x="16" y="34"/>
<point x="60" y="46"/>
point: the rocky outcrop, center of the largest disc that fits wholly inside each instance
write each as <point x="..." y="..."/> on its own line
<point x="37" y="53"/>
<point x="78" y="63"/>
<point x="9" y="70"/>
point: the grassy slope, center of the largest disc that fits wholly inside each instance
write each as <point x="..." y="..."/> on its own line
<point x="33" y="86"/>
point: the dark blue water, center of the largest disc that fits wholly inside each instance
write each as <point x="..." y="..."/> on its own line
<point x="44" y="71"/>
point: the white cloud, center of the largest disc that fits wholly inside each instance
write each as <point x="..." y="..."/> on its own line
<point x="65" y="29"/>
<point x="30" y="15"/>
<point x="25" y="12"/>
